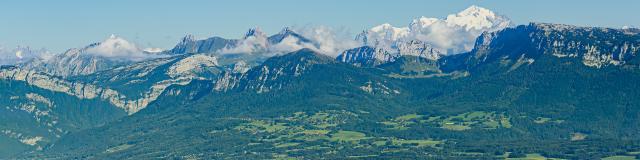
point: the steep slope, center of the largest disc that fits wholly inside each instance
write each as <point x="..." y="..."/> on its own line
<point x="367" y="56"/>
<point x="279" y="71"/>
<point x="285" y="33"/>
<point x="37" y="110"/>
<point x="40" y="108"/>
<point x="591" y="46"/>
<point x="189" y="44"/>
<point x="412" y="67"/>
<point x="141" y="83"/>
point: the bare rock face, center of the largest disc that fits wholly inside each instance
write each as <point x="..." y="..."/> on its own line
<point x="371" y="56"/>
<point x="593" y="46"/>
<point x="181" y="71"/>
<point x="273" y="74"/>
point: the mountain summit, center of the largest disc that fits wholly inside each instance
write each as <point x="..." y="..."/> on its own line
<point x="454" y="34"/>
<point x="429" y="38"/>
<point x="95" y="57"/>
<point x="478" y="18"/>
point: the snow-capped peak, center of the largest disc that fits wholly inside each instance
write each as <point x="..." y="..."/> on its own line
<point x="384" y="35"/>
<point x="423" y="21"/>
<point x="477" y="18"/>
<point x="391" y="32"/>
<point x="454" y="34"/>
<point x="475" y="11"/>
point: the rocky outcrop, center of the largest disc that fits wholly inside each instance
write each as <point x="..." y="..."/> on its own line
<point x="90" y="91"/>
<point x="593" y="46"/>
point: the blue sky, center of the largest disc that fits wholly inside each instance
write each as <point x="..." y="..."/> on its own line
<point x="62" y="24"/>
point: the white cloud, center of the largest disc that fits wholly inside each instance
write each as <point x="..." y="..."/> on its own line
<point x="120" y="49"/>
<point x="153" y="50"/>
<point x="330" y="41"/>
<point x="254" y="41"/>
<point x="323" y="39"/>
<point x="46" y="55"/>
<point x="248" y="45"/>
<point x="289" y="44"/>
<point x="113" y="47"/>
<point x="21" y="54"/>
<point x="457" y="32"/>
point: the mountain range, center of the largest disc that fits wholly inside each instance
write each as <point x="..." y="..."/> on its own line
<point x="484" y="89"/>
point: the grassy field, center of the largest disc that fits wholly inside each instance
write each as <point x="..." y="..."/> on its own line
<point x="619" y="158"/>
<point x="460" y="122"/>
<point x="283" y="145"/>
<point x="418" y="143"/>
<point x="322" y="132"/>
<point x="347" y="136"/>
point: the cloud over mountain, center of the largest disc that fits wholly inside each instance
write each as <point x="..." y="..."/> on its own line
<point x="118" y="48"/>
<point x="454" y="34"/>
<point x="322" y="39"/>
<point x="254" y="41"/>
<point x="10" y="56"/>
<point x="331" y="41"/>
